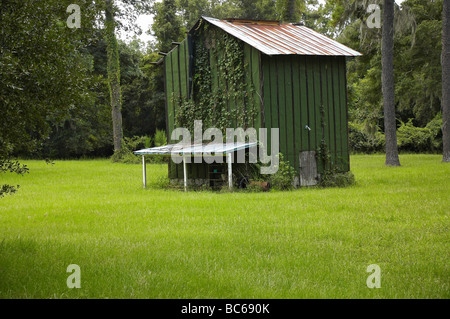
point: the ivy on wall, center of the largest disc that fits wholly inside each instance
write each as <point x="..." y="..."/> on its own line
<point x="229" y="104"/>
<point x="332" y="175"/>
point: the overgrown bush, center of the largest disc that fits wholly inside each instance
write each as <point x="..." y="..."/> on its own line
<point x="363" y="140"/>
<point x="333" y="178"/>
<point x="410" y="138"/>
<point x="420" y="139"/>
<point x="129" y="145"/>
<point x="162" y="182"/>
<point x="435" y="126"/>
<point x="413" y="139"/>
<point x="147" y="140"/>
<point x="283" y="178"/>
<point x="160" y="139"/>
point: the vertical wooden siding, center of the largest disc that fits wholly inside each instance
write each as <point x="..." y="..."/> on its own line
<point x="296" y="88"/>
<point x="177" y="85"/>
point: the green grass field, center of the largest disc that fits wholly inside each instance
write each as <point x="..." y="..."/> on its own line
<point x="154" y="243"/>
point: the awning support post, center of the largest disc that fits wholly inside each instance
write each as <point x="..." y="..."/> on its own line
<point x="230" y="172"/>
<point x="185" y="173"/>
<point x="144" y="171"/>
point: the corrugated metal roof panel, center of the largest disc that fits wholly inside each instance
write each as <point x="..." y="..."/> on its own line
<point x="195" y="149"/>
<point x="283" y="38"/>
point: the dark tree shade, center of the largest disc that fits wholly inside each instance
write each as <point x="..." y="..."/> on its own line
<point x="42" y="71"/>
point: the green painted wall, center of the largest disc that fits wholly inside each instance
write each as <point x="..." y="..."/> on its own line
<point x="296" y="88"/>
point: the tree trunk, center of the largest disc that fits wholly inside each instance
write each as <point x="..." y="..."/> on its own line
<point x="446" y="80"/>
<point x="291" y="8"/>
<point x="387" y="52"/>
<point x="114" y="75"/>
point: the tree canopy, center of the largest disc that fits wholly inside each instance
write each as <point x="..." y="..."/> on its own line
<point x="54" y="95"/>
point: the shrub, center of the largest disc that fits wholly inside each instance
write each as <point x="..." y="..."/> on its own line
<point x="126" y="155"/>
<point x="333" y="178"/>
<point x="435" y="126"/>
<point x="283" y="178"/>
<point x="147" y="141"/>
<point x="420" y="139"/>
<point x="258" y="186"/>
<point x="160" y="138"/>
<point x="363" y="141"/>
<point x="409" y="137"/>
<point x="162" y="182"/>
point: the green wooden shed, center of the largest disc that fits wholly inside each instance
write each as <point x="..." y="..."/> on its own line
<point x="262" y="74"/>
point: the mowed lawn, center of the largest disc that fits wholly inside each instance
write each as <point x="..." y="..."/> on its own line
<point x="154" y="243"/>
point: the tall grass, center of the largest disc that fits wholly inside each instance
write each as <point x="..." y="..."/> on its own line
<point x="154" y="243"/>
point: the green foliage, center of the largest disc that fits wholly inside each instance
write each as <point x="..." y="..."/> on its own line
<point x="86" y="129"/>
<point x="257" y="186"/>
<point x="129" y="145"/>
<point x="11" y="167"/>
<point x="160" y="138"/>
<point x="143" y="107"/>
<point x="331" y="175"/>
<point x="417" y="51"/>
<point x="419" y="139"/>
<point x="435" y="127"/>
<point x="210" y="104"/>
<point x="54" y="90"/>
<point x="124" y="155"/>
<point x="290" y="10"/>
<point x="161" y="182"/>
<point x="283" y="178"/>
<point x="410" y="138"/>
<point x="167" y="26"/>
<point x="334" y="178"/>
<point x="364" y="139"/>
<point x="43" y="71"/>
<point x="147" y="140"/>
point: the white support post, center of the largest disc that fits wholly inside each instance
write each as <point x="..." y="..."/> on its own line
<point x="230" y="172"/>
<point x="185" y="173"/>
<point x="144" y="171"/>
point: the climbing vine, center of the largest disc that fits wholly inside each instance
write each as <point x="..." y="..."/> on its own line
<point x="323" y="153"/>
<point x="223" y="102"/>
<point x="332" y="175"/>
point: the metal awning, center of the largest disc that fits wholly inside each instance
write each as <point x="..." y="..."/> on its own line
<point x="188" y="150"/>
<point x="195" y="149"/>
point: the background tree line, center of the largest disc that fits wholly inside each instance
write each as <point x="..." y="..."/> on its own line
<point x="55" y="89"/>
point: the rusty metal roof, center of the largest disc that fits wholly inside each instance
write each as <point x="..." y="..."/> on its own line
<point x="274" y="38"/>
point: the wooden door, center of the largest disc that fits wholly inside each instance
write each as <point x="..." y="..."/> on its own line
<point x="308" y="168"/>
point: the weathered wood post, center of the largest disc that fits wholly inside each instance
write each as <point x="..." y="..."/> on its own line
<point x="230" y="172"/>
<point x="185" y="173"/>
<point x="144" y="171"/>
